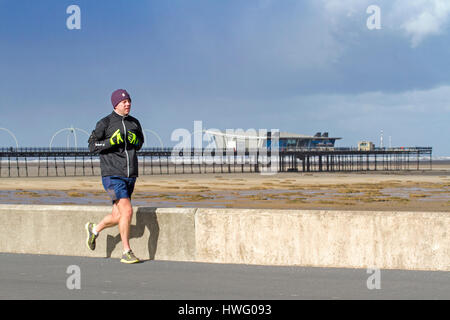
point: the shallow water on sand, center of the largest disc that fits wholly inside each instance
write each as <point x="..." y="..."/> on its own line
<point x="227" y="198"/>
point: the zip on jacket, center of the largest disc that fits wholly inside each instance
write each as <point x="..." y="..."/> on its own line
<point x="128" y="159"/>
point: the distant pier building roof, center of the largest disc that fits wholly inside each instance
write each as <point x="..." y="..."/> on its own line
<point x="255" y="139"/>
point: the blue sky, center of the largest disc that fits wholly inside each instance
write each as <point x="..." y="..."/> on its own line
<point x="298" y="66"/>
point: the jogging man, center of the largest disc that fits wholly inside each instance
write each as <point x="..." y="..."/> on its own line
<point x="117" y="138"/>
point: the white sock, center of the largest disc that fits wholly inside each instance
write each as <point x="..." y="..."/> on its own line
<point x="94" y="230"/>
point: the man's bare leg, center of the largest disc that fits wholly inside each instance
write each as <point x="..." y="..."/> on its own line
<point x="126" y="213"/>
<point x="121" y="215"/>
<point x="110" y="220"/>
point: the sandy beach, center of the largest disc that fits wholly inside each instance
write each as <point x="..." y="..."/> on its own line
<point x="393" y="191"/>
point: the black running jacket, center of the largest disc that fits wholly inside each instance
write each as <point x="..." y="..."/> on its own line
<point x="117" y="139"/>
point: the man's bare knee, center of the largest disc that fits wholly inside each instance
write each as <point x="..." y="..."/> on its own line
<point x="124" y="207"/>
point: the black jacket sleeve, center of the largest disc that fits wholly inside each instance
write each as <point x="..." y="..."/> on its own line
<point x="97" y="141"/>
<point x="140" y="135"/>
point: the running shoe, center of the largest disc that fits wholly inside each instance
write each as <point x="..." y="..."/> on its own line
<point x="129" y="257"/>
<point x="90" y="241"/>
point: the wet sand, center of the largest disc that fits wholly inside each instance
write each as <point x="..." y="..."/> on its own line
<point x="385" y="191"/>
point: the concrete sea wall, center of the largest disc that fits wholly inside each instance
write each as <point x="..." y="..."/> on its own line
<point x="319" y="238"/>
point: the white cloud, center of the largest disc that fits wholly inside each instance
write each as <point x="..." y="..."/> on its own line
<point x="414" y="19"/>
<point x="413" y="118"/>
<point x="423" y="18"/>
<point x="431" y="102"/>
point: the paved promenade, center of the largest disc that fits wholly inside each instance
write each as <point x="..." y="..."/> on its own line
<point x="50" y="277"/>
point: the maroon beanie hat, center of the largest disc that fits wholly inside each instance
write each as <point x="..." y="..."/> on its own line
<point x="118" y="96"/>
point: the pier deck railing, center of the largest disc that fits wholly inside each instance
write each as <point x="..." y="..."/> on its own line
<point x="35" y="161"/>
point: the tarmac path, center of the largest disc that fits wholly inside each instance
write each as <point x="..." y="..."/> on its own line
<point x="24" y="276"/>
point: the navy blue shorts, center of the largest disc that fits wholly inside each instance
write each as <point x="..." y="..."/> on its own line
<point x="118" y="187"/>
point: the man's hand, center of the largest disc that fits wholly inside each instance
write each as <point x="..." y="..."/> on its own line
<point x="117" y="137"/>
<point x="132" y="138"/>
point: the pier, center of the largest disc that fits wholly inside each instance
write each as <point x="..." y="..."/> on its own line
<point x="28" y="162"/>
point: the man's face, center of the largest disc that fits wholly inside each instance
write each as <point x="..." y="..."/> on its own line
<point x="123" y="107"/>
